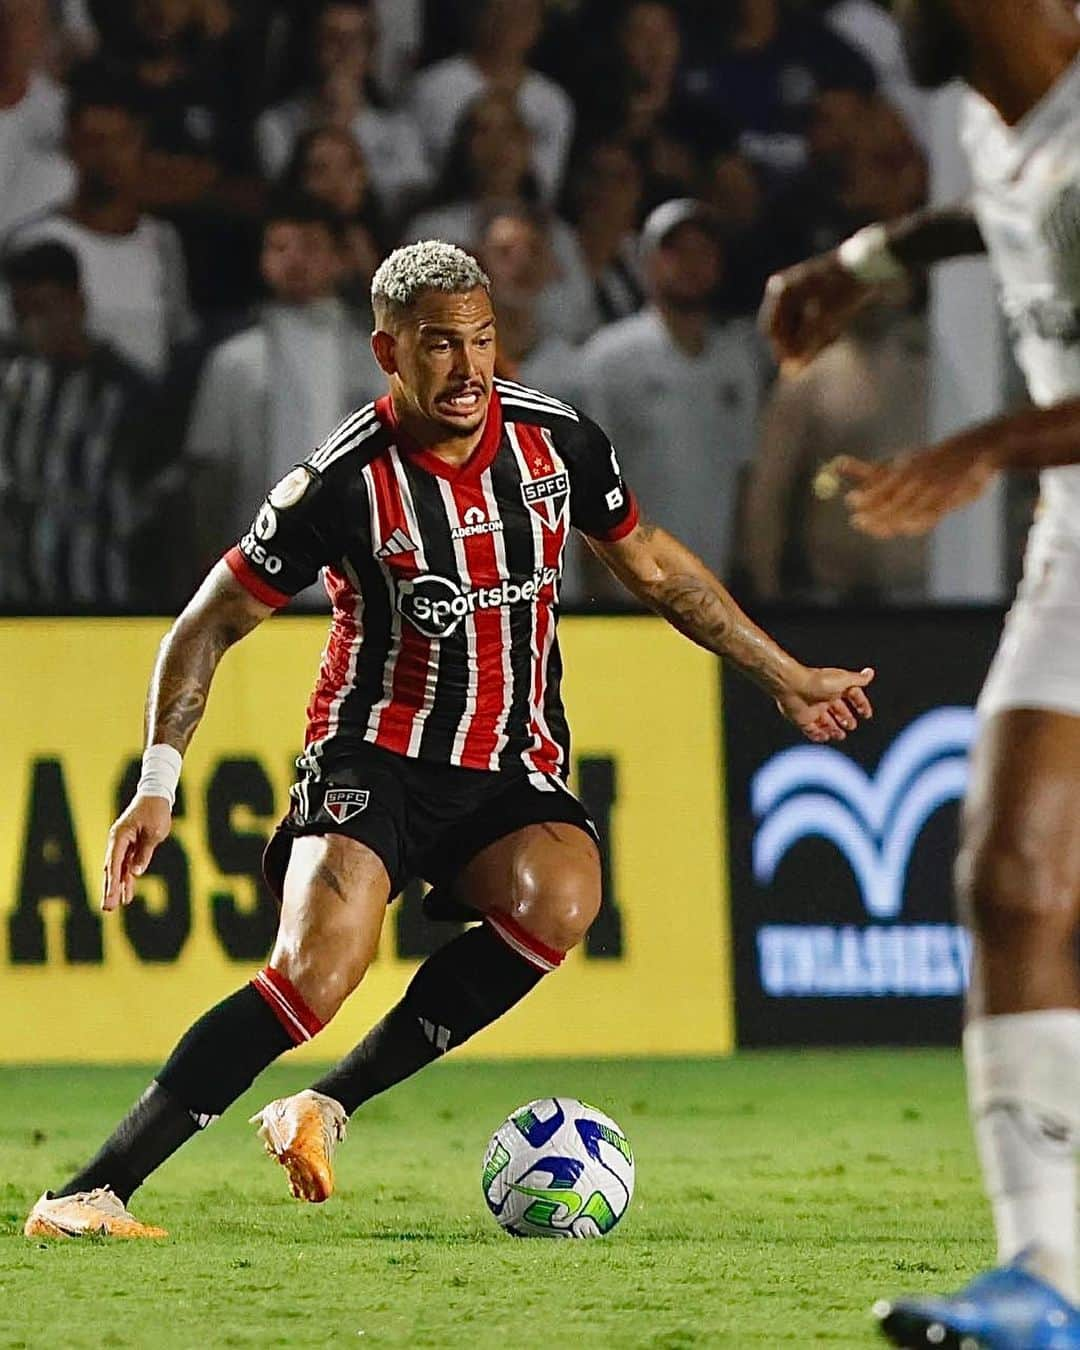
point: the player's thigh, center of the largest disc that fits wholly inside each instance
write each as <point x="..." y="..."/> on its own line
<point x="1020" y="849"/>
<point x="335" y="895"/>
<point x="545" y="877"/>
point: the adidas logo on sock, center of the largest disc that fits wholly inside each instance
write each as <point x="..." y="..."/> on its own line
<point x="438" y="1036"/>
<point x="202" y="1120"/>
<point x="399" y="542"/>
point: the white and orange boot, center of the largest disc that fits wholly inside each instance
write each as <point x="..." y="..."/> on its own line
<point x="302" y="1132"/>
<point x="98" y="1213"/>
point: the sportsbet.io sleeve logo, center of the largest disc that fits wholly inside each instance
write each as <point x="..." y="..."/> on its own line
<point x="875" y="821"/>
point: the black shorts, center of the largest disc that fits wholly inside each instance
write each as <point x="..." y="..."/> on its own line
<point x="422" y="820"/>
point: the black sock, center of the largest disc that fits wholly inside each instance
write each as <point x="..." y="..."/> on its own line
<point x="459" y="990"/>
<point x="217" y="1060"/>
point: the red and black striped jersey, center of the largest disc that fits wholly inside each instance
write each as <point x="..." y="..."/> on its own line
<point x="444" y="581"/>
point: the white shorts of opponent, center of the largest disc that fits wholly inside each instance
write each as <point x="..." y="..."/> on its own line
<point x="1037" y="664"/>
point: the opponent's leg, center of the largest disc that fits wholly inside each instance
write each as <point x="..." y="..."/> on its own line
<point x="1018" y="877"/>
<point x="335" y="897"/>
<point x="1019" y="882"/>
<point x="540" y="890"/>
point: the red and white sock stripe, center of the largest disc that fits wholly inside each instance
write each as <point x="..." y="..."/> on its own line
<point x="537" y="953"/>
<point x="287" y="1005"/>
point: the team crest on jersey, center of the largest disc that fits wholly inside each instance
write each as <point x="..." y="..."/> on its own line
<point x="547" y="497"/>
<point x="341" y="804"/>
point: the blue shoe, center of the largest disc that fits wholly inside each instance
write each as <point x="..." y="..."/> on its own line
<point x="1006" y="1309"/>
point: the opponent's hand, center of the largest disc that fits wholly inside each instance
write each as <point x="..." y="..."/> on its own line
<point x="825" y="704"/>
<point x="132" y="840"/>
<point x="910" y="494"/>
<point x="808" y="306"/>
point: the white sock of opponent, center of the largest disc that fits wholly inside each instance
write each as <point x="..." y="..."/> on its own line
<point x="1023" y="1072"/>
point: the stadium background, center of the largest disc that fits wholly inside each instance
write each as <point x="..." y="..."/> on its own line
<point x="754" y="899"/>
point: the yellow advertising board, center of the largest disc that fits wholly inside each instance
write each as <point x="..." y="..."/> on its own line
<point x="76" y="985"/>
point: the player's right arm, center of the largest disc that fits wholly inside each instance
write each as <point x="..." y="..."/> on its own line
<point x="221" y="612"/>
<point x="809" y="305"/>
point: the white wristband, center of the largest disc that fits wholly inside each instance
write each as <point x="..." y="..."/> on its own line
<point x="160" y="773"/>
<point x="869" y="259"/>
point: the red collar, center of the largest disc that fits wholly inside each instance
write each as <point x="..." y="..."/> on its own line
<point x="481" y="458"/>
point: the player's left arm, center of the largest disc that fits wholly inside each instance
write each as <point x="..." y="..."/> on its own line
<point x="825" y="704"/>
<point x="909" y="494"/>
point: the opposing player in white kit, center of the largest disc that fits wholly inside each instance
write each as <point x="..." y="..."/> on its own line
<point x="1019" y="867"/>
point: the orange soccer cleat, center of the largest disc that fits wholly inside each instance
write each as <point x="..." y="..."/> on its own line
<point x="97" y="1213"/>
<point x="301" y="1132"/>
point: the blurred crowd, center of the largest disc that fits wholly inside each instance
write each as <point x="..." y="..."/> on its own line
<point x="194" y="195"/>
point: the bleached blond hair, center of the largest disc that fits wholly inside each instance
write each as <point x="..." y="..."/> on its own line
<point x="430" y="265"/>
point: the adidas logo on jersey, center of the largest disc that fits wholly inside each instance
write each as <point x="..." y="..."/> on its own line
<point x="399" y="542"/>
<point x="435" y="605"/>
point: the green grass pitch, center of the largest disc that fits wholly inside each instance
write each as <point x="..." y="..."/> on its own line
<point x="777" y="1196"/>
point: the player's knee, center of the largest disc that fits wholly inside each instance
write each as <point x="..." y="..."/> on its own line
<point x="323" y="980"/>
<point x="559" y="909"/>
<point x="1009" y="891"/>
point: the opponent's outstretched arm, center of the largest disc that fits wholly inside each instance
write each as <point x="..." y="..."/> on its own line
<point x="809" y="305"/>
<point x="910" y="493"/>
<point x="654" y="566"/>
<point x="220" y="613"/>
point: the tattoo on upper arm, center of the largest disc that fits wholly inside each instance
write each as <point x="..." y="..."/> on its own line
<point x="326" y="874"/>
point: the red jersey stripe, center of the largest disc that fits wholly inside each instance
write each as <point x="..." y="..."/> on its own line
<point x="337" y="668"/>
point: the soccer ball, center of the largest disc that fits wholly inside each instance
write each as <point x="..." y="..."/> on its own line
<point x="558" y="1168"/>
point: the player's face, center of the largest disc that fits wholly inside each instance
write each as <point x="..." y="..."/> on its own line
<point x="301" y="261"/>
<point x="936" y="47"/>
<point x="443" y="360"/>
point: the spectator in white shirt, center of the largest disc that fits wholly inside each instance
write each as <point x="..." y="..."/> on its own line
<point x="342" y="93"/>
<point x="34" y="173"/>
<point x="676" y="391"/>
<point x="132" y="264"/>
<point x="270" y="394"/>
<point x="515" y="248"/>
<point x="503" y="33"/>
<point x="489" y="165"/>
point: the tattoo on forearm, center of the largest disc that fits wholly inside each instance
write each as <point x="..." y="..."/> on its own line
<point x="185" y="668"/>
<point x="710" y="618"/>
<point x="328" y="877"/>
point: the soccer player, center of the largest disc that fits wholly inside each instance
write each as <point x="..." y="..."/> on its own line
<point x="436" y="743"/>
<point x="1019" y="866"/>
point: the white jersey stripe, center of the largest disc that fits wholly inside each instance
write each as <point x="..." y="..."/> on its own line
<point x="510" y="402"/>
<point x="344" y="429"/>
<point x="487" y="486"/>
<point x="514" y="390"/>
<point x="347" y="447"/>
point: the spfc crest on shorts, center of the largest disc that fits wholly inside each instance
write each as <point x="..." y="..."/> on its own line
<point x="547" y="497"/>
<point x="341" y="804"/>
